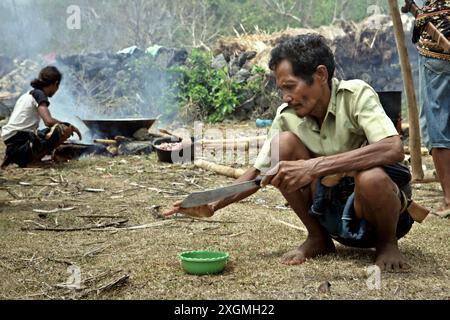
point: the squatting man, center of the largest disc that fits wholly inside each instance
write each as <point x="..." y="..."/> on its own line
<point x="329" y="127"/>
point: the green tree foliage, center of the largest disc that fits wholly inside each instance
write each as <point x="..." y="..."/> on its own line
<point x="213" y="91"/>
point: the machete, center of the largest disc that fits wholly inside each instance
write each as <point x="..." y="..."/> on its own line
<point x="197" y="199"/>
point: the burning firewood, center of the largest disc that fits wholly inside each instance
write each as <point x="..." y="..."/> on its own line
<point x="105" y="141"/>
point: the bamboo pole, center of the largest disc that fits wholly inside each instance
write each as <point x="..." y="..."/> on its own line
<point x="257" y="139"/>
<point x="414" y="131"/>
<point x="219" y="169"/>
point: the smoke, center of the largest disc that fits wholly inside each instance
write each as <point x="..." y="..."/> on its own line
<point x="24" y="30"/>
<point x="98" y="83"/>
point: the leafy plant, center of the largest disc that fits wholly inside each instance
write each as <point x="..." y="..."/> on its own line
<point x="214" y="91"/>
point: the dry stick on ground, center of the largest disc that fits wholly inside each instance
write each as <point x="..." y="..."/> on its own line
<point x="93" y="227"/>
<point x="95" y="251"/>
<point x="93" y="190"/>
<point x="99" y="216"/>
<point x="111" y="284"/>
<point x="69" y="263"/>
<point x="139" y="227"/>
<point x="289" y="225"/>
<point x="54" y="210"/>
<point x="236" y="234"/>
<point x="11" y="192"/>
<point x="192" y="219"/>
<point x="119" y="281"/>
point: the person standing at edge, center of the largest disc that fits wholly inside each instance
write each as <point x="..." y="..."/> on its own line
<point x="434" y="92"/>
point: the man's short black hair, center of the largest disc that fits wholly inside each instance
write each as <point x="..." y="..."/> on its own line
<point x="305" y="52"/>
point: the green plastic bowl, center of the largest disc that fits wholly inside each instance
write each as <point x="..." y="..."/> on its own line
<point x="203" y="262"/>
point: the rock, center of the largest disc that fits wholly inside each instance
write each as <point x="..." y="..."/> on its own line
<point x="242" y="76"/>
<point x="179" y="57"/>
<point x="244" y="111"/>
<point x="142" y="135"/>
<point x="324" y="288"/>
<point x="135" y="148"/>
<point x="16" y="82"/>
<point x="5" y="111"/>
<point x="219" y="62"/>
<point x="244" y="57"/>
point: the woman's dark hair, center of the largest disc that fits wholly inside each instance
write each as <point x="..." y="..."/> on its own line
<point x="305" y="53"/>
<point x="47" y="76"/>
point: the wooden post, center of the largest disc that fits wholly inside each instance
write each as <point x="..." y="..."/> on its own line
<point x="414" y="131"/>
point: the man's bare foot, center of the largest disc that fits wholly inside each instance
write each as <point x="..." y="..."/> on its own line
<point x="444" y="212"/>
<point x="312" y="247"/>
<point x="389" y="258"/>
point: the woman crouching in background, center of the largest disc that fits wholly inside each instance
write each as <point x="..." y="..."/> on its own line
<point x="25" y="144"/>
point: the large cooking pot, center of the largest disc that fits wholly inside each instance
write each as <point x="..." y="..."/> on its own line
<point x="109" y="128"/>
<point x="392" y="105"/>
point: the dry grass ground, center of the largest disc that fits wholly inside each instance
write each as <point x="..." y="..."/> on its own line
<point x="34" y="264"/>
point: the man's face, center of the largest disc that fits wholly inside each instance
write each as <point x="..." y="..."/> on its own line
<point x="300" y="96"/>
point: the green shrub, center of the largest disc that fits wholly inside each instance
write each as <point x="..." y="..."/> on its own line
<point x="213" y="92"/>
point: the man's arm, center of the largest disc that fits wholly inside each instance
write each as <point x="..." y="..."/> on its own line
<point x="293" y="175"/>
<point x="387" y="151"/>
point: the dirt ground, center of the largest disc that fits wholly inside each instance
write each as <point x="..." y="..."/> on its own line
<point x="105" y="196"/>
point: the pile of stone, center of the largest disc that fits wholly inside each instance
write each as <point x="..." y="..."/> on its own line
<point x="15" y="77"/>
<point x="365" y="50"/>
<point x="127" y="83"/>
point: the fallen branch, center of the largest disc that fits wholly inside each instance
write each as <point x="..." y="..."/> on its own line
<point x="100" y="216"/>
<point x="67" y="262"/>
<point x="106" y="141"/>
<point x="119" y="281"/>
<point x="54" y="210"/>
<point x="191" y="219"/>
<point x="94" y="190"/>
<point x="94" y="227"/>
<point x="30" y="184"/>
<point x="95" y="251"/>
<point x="290" y="225"/>
<point x="12" y="193"/>
<point x="139" y="227"/>
<point x="236" y="234"/>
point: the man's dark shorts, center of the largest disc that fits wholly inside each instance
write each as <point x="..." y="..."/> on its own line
<point x="25" y="147"/>
<point x="333" y="207"/>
